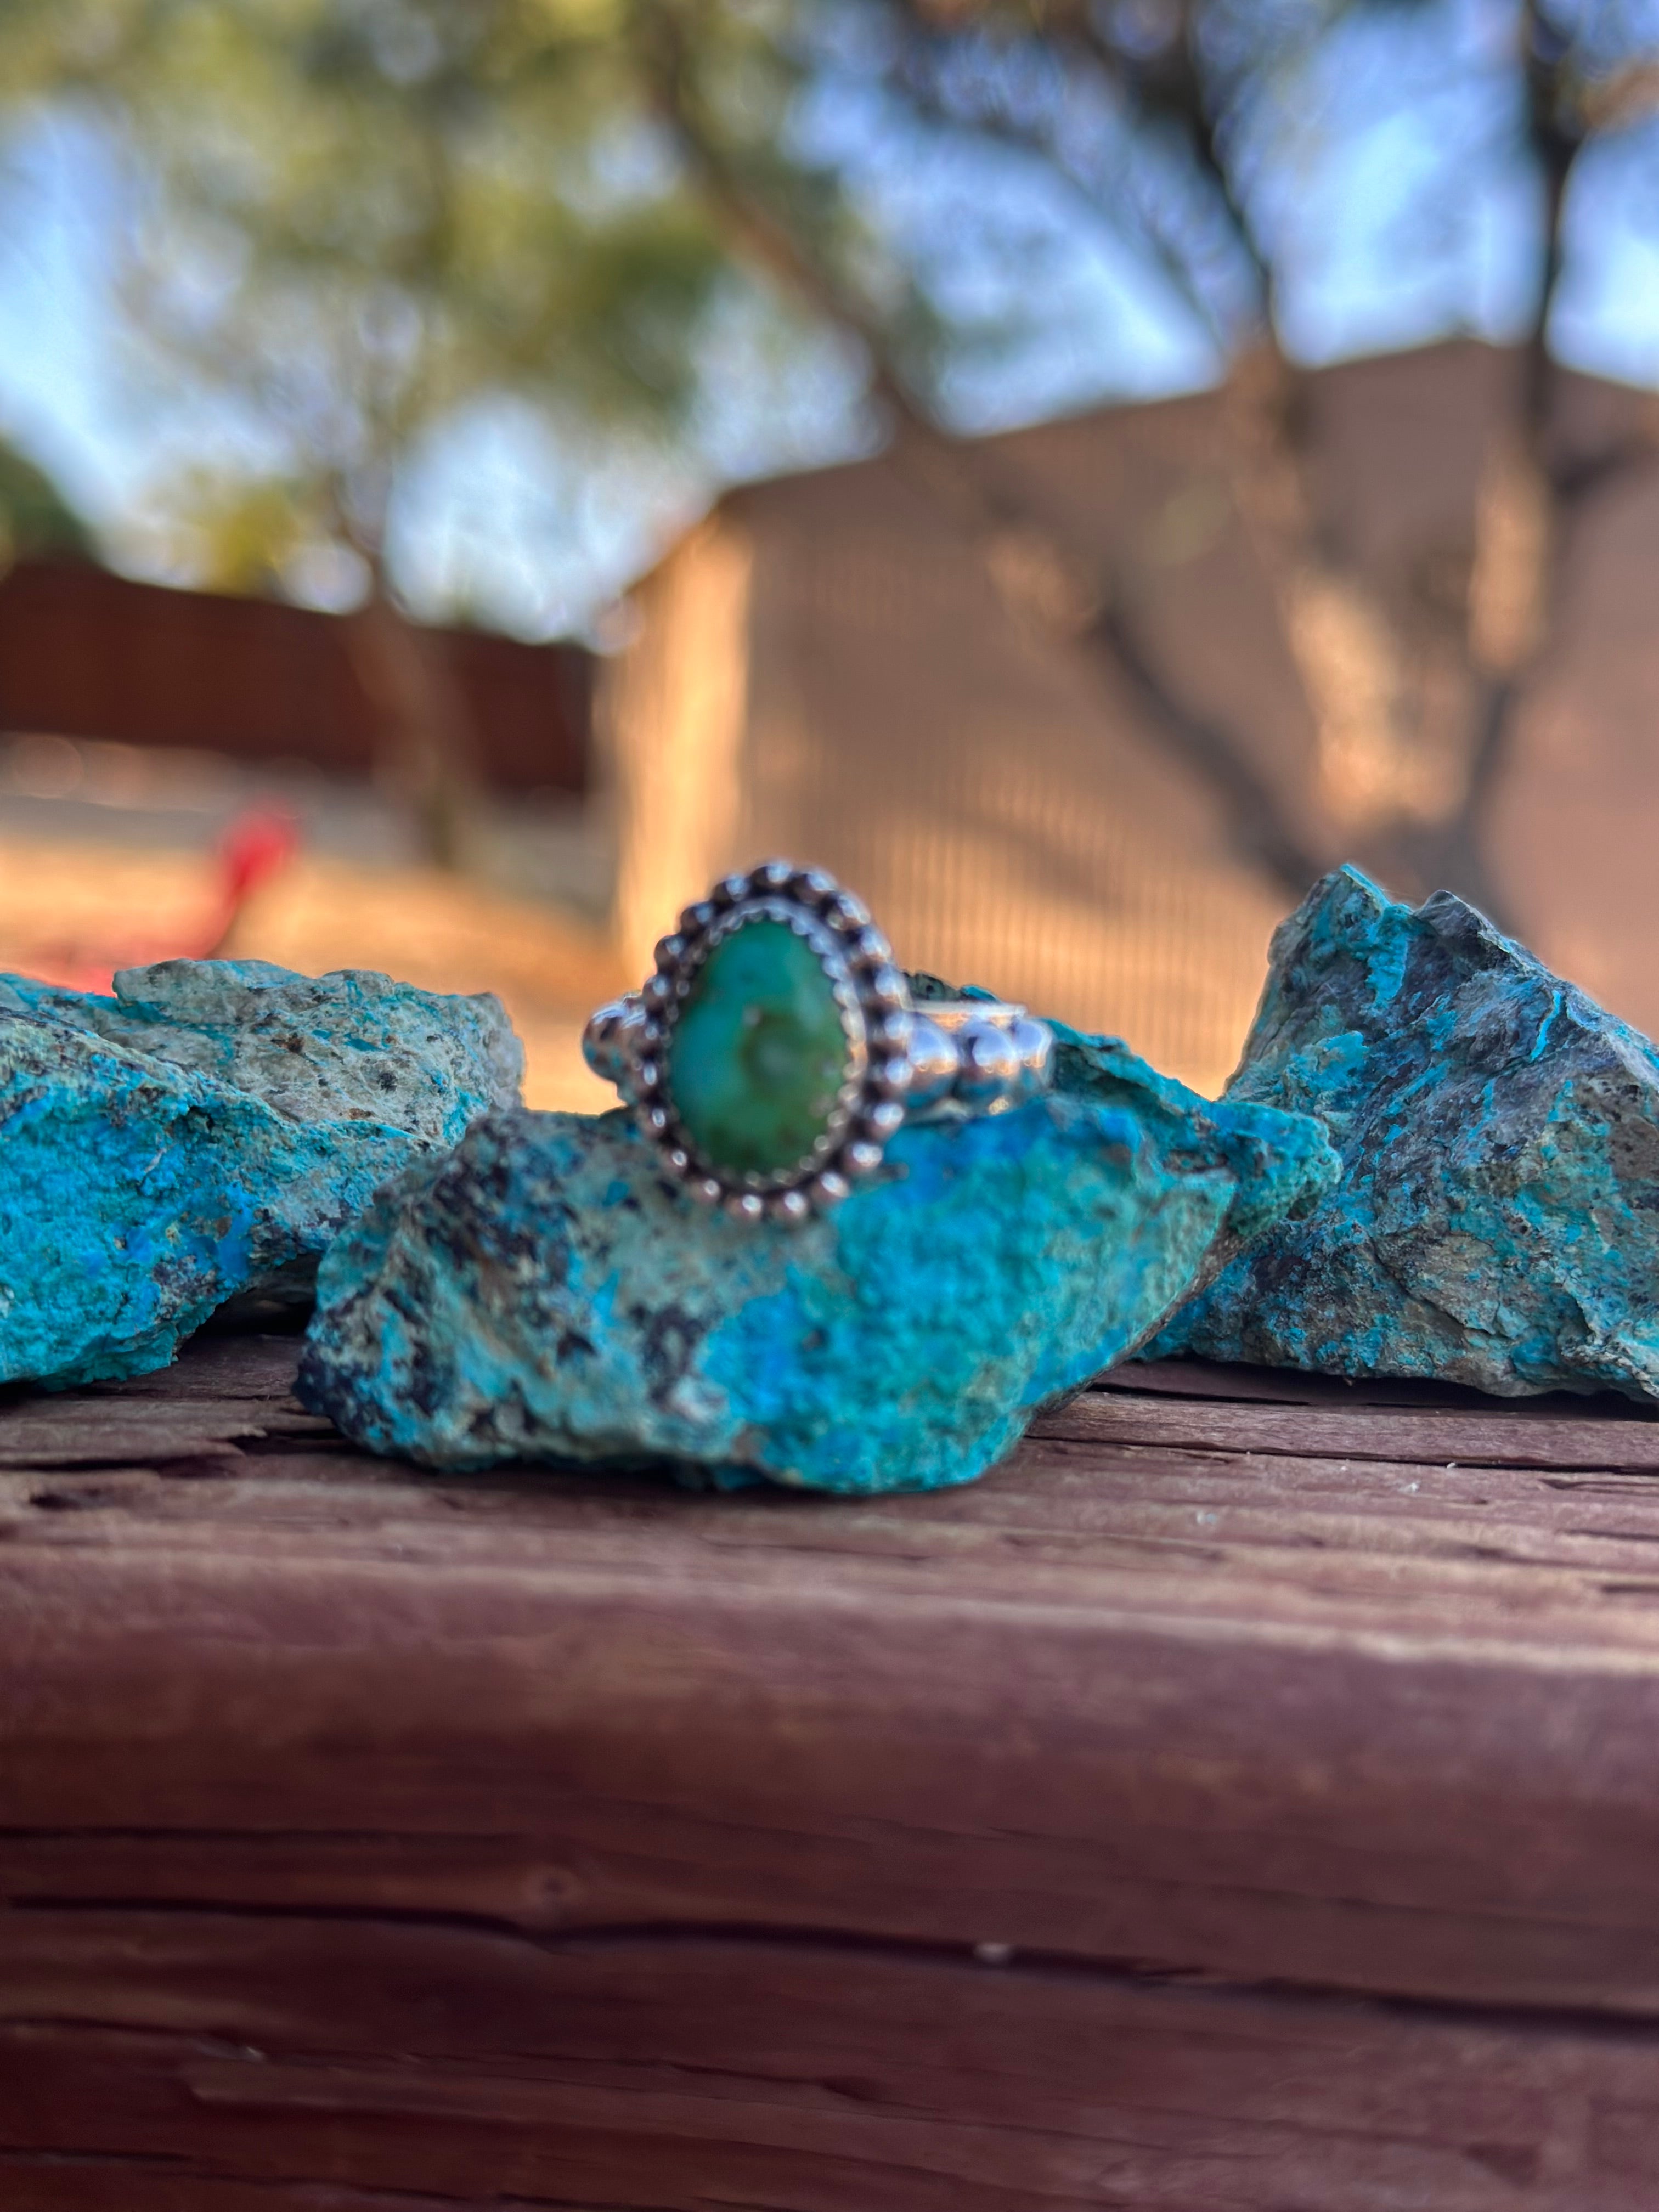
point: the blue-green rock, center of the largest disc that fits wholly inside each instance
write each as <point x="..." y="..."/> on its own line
<point x="547" y="1293"/>
<point x="204" y="1134"/>
<point x="1497" y="1219"/>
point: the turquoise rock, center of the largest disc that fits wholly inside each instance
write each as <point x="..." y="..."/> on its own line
<point x="1498" y="1218"/>
<point x="757" y="1055"/>
<point x="548" y="1293"/>
<point x="201" y="1135"/>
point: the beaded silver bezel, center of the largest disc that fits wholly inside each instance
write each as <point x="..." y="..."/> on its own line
<point x="871" y="996"/>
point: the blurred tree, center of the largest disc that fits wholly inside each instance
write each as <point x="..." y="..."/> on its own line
<point x="35" y="517"/>
<point x="230" y="533"/>
<point x="1163" y="119"/>
<point x="355" y="218"/>
<point x="359" y="217"/>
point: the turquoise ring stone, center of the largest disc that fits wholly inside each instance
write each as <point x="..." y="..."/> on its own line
<point x="777" y="1049"/>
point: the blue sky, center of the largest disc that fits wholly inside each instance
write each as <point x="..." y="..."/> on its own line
<point x="1401" y="212"/>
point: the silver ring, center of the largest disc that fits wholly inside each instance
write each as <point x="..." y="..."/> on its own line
<point x="772" y="1069"/>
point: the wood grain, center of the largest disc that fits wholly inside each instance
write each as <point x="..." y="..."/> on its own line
<point x="1453" y="1437"/>
<point x="1228" y="1802"/>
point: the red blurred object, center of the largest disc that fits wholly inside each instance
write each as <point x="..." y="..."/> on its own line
<point x="257" y="845"/>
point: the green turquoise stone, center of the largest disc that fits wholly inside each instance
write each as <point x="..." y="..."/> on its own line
<point x="758" y="1053"/>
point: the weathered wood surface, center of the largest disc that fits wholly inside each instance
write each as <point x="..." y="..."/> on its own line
<point x="1249" y="1798"/>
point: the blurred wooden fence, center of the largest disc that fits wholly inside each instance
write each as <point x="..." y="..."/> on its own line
<point x="84" y="654"/>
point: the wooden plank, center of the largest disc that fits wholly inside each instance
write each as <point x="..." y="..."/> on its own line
<point x="576" y="1840"/>
<point x="1284" y="1386"/>
<point x="1445" y="1435"/>
<point x="71" y="1431"/>
<point x="217" y="1368"/>
<point x="690" y="1719"/>
<point x="53" y="2181"/>
<point x="1431" y="1555"/>
<point x="472" y="2068"/>
<point x="224" y="1391"/>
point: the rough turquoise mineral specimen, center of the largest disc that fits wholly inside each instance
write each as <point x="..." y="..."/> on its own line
<point x="1498" y="1218"/>
<point x="206" y="1131"/>
<point x="547" y="1292"/>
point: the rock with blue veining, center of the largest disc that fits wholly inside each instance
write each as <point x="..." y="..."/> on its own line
<point x="1497" y="1219"/>
<point x="546" y="1292"/>
<point x="203" y="1134"/>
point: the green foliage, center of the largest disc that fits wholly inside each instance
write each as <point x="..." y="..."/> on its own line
<point x="238" y="533"/>
<point x="35" y="518"/>
<point x="357" y="217"/>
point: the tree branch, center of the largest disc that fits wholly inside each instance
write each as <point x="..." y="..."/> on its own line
<point x="1172" y="85"/>
<point x="1555" y="141"/>
<point x="1063" y="592"/>
<point x="1022" y="137"/>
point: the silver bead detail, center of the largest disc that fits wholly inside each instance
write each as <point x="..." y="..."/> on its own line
<point x="613" y="1040"/>
<point x="990" y="1066"/>
<point x="601" y="1039"/>
<point x="934" y="1062"/>
<point x="846" y="912"/>
<point x="1034" y="1043"/>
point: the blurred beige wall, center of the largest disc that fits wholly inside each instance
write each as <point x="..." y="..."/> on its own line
<point x="819" y="672"/>
<point x="671" y="713"/>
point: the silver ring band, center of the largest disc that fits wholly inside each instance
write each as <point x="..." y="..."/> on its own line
<point x="893" y="1061"/>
